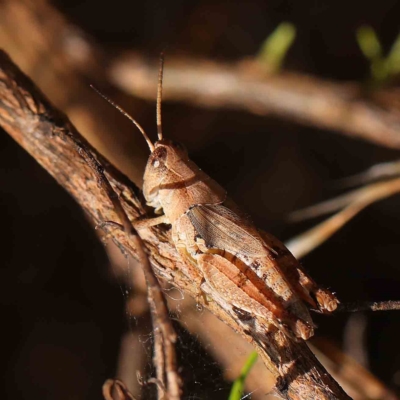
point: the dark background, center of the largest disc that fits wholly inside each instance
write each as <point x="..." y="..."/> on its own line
<point x="61" y="308"/>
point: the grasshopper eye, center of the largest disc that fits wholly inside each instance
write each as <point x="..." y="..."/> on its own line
<point x="158" y="157"/>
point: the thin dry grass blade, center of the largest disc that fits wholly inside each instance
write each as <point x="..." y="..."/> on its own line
<point x="379" y="171"/>
<point x="376" y="172"/>
<point x="326" y="207"/>
<point x="361" y="198"/>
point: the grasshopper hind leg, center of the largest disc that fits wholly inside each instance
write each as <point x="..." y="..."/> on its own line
<point x="316" y="296"/>
<point x="232" y="288"/>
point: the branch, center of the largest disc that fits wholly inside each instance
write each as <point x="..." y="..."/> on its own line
<point x="311" y="101"/>
<point x="52" y="140"/>
<point x="42" y="120"/>
<point x="356" y="380"/>
<point x="387" y="305"/>
<point x="40" y="38"/>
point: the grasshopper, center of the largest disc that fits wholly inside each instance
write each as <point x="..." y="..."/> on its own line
<point x="252" y="272"/>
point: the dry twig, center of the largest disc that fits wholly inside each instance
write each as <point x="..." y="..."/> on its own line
<point x="304" y="99"/>
<point x="164" y="333"/>
<point x="356" y="380"/>
<point x="51" y="139"/>
<point x="389" y="305"/>
<point x="121" y="390"/>
<point x="376" y="172"/>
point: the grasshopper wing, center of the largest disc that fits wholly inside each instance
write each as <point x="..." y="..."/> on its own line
<point x="223" y="229"/>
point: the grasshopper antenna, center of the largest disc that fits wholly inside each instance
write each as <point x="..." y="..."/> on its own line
<point x="159" y="96"/>
<point x="122" y="111"/>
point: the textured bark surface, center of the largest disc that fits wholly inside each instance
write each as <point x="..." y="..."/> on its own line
<point x="52" y="140"/>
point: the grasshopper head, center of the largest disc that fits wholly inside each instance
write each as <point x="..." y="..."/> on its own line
<point x="173" y="183"/>
<point x="167" y="166"/>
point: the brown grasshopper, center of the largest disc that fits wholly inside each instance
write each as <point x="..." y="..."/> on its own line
<point x="250" y="271"/>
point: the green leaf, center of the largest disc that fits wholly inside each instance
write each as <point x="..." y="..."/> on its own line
<point x="238" y="385"/>
<point x="371" y="47"/>
<point x="276" y="46"/>
<point x="393" y="58"/>
<point x="369" y="43"/>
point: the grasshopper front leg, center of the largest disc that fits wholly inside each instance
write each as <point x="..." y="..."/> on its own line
<point x="149" y="222"/>
<point x="138" y="224"/>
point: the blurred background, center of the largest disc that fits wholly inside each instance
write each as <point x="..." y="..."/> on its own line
<point x="64" y="304"/>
